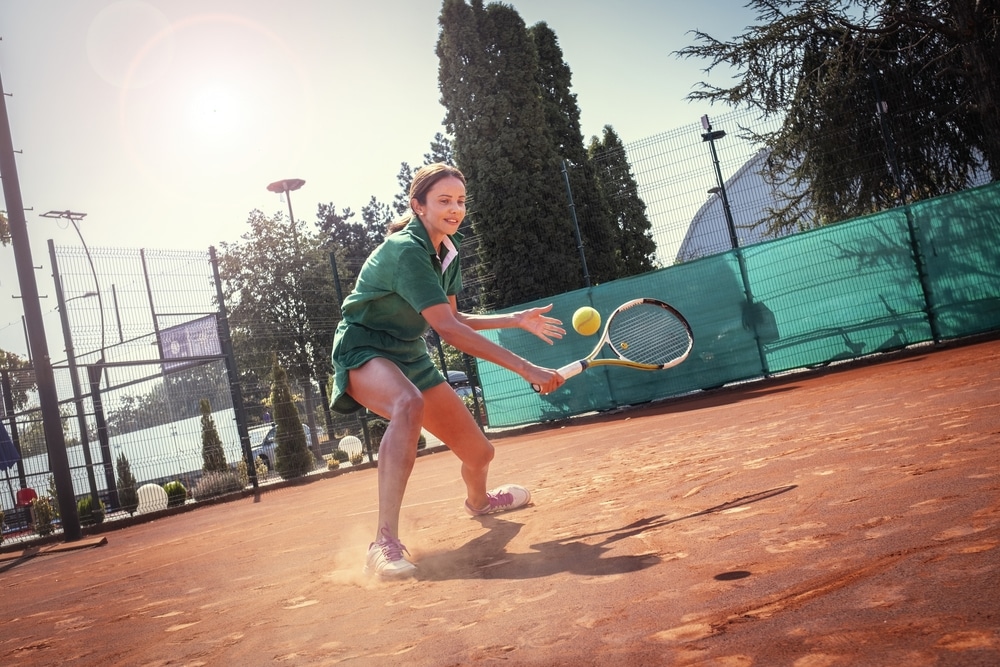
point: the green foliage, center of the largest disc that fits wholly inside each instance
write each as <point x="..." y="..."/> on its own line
<point x="128" y="495"/>
<point x="243" y="471"/>
<point x="825" y="67"/>
<point x="376" y="431"/>
<point x="634" y="243"/>
<point x="274" y="315"/>
<point x="217" y="483"/>
<point x="212" y="452"/>
<point x="340" y="455"/>
<point x="22" y="378"/>
<point x="489" y="78"/>
<point x="176" y="493"/>
<point x="88" y="513"/>
<point x="170" y="399"/>
<point x="53" y="495"/>
<point x="597" y="233"/>
<point x="357" y="459"/>
<point x="44" y="513"/>
<point x="292" y="456"/>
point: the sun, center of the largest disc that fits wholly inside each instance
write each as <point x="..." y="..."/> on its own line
<point x="212" y="112"/>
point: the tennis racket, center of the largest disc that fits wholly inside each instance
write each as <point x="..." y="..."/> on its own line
<point x="645" y="334"/>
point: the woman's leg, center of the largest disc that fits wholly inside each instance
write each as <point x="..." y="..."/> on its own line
<point x="446" y="416"/>
<point x="381" y="387"/>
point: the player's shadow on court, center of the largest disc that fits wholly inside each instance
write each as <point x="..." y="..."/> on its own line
<point x="485" y="557"/>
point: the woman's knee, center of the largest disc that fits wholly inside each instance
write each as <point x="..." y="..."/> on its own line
<point x="408" y="407"/>
<point x="478" y="456"/>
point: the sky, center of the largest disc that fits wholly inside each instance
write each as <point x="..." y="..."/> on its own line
<point x="165" y="120"/>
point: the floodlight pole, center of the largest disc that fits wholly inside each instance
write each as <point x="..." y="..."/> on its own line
<point x="286" y="187"/>
<point x="74" y="219"/>
<point x="48" y="397"/>
<point x="710" y="136"/>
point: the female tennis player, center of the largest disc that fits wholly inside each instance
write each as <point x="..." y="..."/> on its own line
<point x="381" y="362"/>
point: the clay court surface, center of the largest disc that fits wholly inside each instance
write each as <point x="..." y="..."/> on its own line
<point x="846" y="517"/>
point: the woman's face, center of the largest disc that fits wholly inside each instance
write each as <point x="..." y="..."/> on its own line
<point x="444" y="208"/>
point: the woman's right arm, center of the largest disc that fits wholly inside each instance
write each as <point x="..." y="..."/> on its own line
<point x="442" y="319"/>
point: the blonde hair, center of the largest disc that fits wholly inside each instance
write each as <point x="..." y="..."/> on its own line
<point x="423" y="181"/>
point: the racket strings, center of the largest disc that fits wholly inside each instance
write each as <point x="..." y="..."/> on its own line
<point x="648" y="334"/>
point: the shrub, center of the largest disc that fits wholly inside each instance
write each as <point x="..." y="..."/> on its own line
<point x="53" y="497"/>
<point x="214" y="484"/>
<point x="331" y="462"/>
<point x="128" y="496"/>
<point x="340" y="455"/>
<point x="377" y="429"/>
<point x="176" y="493"/>
<point x="292" y="457"/>
<point x="212" y="453"/>
<point x="357" y="459"/>
<point x="90" y="515"/>
<point x="42" y="509"/>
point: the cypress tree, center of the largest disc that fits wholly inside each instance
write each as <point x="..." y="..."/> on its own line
<point x="128" y="495"/>
<point x="636" y="248"/>
<point x="517" y="203"/>
<point x="211" y="444"/>
<point x="292" y="456"/>
<point x="562" y="117"/>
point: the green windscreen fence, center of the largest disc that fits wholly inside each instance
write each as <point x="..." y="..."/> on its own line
<point x="926" y="272"/>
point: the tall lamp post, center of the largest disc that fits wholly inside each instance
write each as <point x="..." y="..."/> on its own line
<point x="286" y="187"/>
<point x="74" y="219"/>
<point x="710" y="136"/>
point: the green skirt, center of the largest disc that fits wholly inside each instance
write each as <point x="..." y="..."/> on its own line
<point x="355" y="345"/>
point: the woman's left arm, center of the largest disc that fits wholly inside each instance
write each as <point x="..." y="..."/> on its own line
<point x="532" y="320"/>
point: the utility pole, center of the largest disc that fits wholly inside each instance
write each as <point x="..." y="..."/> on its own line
<point x="48" y="398"/>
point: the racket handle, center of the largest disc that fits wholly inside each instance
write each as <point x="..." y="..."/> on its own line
<point x="567" y="371"/>
<point x="575" y="368"/>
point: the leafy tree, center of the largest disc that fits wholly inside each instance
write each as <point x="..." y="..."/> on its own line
<point x="442" y="150"/>
<point x="292" y="457"/>
<point x="487" y="77"/>
<point x="128" y="495"/>
<point x="22" y="377"/>
<point x="862" y="73"/>
<point x="562" y="117"/>
<point x="282" y="302"/>
<point x="351" y="241"/>
<point x="634" y="239"/>
<point x="212" y="452"/>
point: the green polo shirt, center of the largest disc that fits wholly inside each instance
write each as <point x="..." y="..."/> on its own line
<point x="381" y="317"/>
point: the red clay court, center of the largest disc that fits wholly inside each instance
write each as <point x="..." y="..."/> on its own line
<point x="845" y="517"/>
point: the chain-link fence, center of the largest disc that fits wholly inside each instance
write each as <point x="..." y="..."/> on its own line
<point x="714" y="200"/>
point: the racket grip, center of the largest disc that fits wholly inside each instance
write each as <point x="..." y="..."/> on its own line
<point x="575" y="368"/>
<point x="567" y="371"/>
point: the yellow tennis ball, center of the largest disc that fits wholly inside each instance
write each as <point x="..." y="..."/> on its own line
<point x="586" y="321"/>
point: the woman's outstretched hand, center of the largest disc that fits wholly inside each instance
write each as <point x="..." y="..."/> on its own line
<point x="535" y="320"/>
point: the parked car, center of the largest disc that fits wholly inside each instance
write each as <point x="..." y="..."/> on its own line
<point x="263" y="444"/>
<point x="459" y="381"/>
